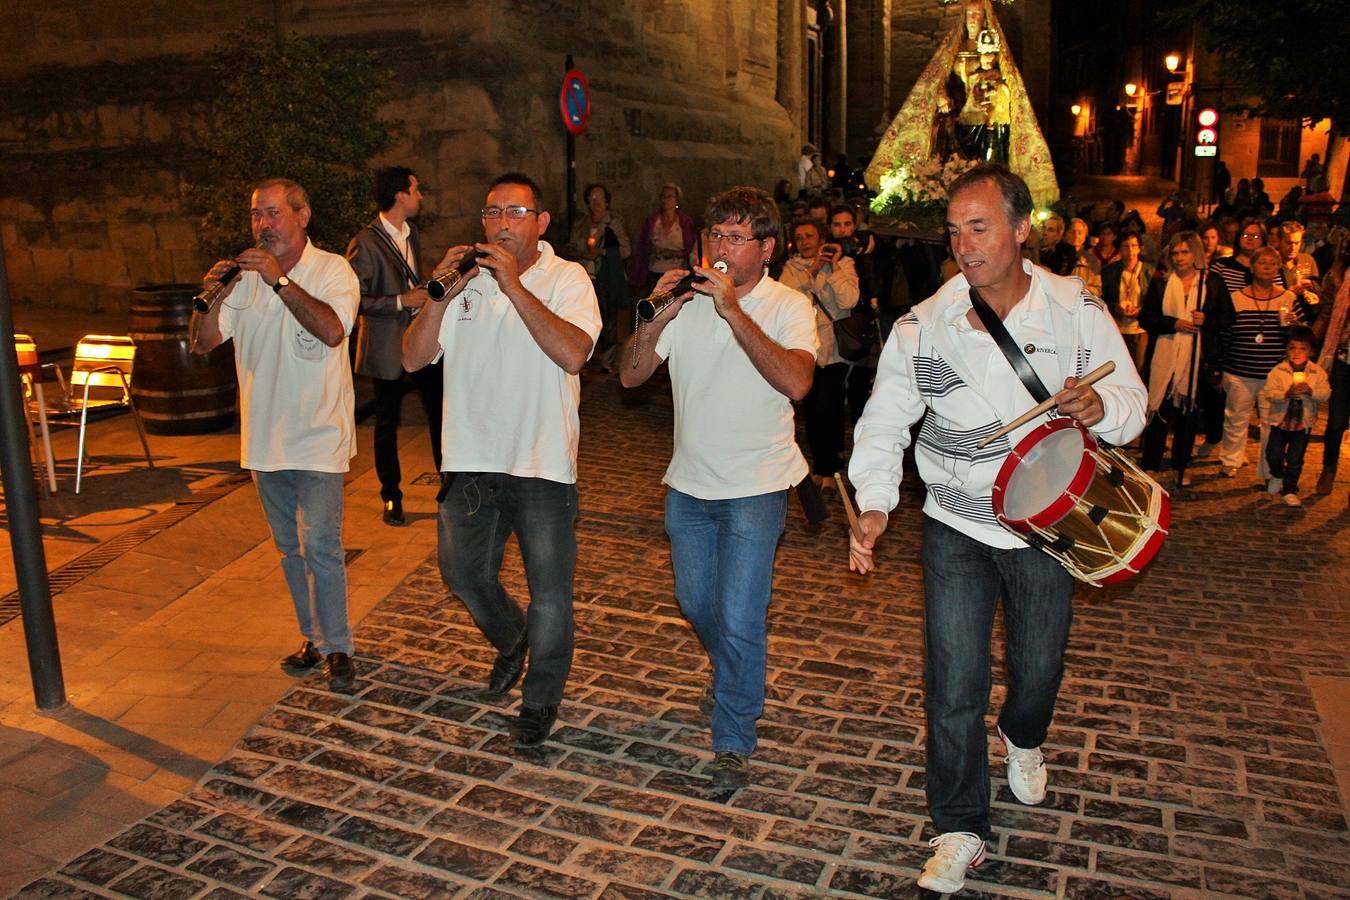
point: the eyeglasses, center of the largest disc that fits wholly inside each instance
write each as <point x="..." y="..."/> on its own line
<point x="1255" y="234"/>
<point x="511" y="212"/>
<point x="735" y="240"/>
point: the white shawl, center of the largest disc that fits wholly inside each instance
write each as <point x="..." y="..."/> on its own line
<point x="1170" y="373"/>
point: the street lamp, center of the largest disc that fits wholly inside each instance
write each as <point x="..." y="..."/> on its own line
<point x="1172" y="60"/>
<point x="1076" y="109"/>
<point x="1131" y="89"/>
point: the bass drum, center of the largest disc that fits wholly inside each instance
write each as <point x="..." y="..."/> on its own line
<point x="1088" y="506"/>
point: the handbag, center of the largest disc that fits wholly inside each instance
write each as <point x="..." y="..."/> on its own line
<point x="855" y="335"/>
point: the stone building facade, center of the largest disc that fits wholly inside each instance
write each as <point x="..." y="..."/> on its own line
<point x="100" y="99"/>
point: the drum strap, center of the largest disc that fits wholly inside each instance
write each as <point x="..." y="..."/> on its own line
<point x="999" y="333"/>
<point x="1061" y="544"/>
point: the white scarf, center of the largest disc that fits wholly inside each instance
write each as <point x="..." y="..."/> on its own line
<point x="1170" y="373"/>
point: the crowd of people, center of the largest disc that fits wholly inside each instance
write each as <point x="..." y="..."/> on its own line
<point x="1210" y="316"/>
<point x="766" y="303"/>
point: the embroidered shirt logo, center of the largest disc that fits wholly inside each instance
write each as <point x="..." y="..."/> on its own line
<point x="1029" y="349"/>
<point x="467" y="300"/>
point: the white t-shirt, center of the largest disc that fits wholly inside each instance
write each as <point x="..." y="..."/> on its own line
<point x="733" y="430"/>
<point x="508" y="407"/>
<point x="297" y="409"/>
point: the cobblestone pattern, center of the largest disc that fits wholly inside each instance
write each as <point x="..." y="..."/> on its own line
<point x="1185" y="757"/>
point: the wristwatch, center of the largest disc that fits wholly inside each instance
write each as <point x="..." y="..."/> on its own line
<point x="281" y="282"/>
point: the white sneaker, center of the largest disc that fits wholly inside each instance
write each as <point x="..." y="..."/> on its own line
<point x="1292" y="500"/>
<point x="1274" y="485"/>
<point x="1026" y="772"/>
<point x="953" y="853"/>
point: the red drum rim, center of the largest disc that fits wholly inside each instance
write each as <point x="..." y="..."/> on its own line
<point x="1065" y="502"/>
<point x="1135" y="564"/>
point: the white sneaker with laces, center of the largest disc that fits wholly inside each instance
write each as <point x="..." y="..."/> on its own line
<point x="953" y="853"/>
<point x="1026" y="772"/>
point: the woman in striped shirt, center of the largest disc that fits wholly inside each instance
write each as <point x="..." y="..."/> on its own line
<point x="1254" y="346"/>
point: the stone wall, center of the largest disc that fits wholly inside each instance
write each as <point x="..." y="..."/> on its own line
<point x="100" y="99"/>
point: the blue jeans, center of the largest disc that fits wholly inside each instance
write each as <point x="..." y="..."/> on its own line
<point x="479" y="513"/>
<point x="722" y="552"/>
<point x="962" y="582"/>
<point x="304" y="512"/>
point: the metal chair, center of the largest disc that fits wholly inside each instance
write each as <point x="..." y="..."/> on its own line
<point x="30" y="374"/>
<point x="100" y="378"/>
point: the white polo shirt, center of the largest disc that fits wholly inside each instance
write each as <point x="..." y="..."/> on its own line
<point x="296" y="405"/>
<point x="733" y="430"/>
<point x="508" y="407"/>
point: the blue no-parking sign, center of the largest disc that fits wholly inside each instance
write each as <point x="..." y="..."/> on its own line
<point x="575" y="102"/>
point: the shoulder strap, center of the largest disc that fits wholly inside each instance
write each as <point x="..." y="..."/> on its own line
<point x="999" y="333"/>
<point x="379" y="232"/>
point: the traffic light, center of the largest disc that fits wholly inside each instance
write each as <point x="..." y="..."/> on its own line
<point x="1207" y="132"/>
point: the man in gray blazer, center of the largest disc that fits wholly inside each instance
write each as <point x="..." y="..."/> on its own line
<point x="385" y="256"/>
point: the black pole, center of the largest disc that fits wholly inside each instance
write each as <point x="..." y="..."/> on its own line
<point x="25" y="529"/>
<point x="571" y="168"/>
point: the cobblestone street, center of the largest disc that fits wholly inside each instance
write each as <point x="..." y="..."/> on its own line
<point x="1187" y="756"/>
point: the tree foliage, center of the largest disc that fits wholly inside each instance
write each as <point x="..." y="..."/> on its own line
<point x="1290" y="54"/>
<point x="296" y="107"/>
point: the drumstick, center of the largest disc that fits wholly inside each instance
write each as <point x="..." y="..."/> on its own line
<point x="848" y="507"/>
<point x="1045" y="406"/>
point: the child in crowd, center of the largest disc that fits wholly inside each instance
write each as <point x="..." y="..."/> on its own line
<point x="1293" y="390"/>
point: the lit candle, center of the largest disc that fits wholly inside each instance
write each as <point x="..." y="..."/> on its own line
<point x="1300" y="377"/>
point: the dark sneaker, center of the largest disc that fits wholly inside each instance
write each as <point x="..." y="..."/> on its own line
<point x="393" y="513"/>
<point x="729" y="771"/>
<point x="706" y="700"/>
<point x="1326" y="482"/>
<point x="506" y="670"/>
<point x="302" y="660"/>
<point x="339" y="671"/>
<point x="532" y="726"/>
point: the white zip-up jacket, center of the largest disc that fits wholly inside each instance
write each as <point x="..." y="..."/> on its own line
<point x="935" y="360"/>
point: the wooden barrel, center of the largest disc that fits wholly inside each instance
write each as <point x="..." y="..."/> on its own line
<point x="177" y="391"/>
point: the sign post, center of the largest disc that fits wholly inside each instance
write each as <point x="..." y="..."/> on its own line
<point x="574" y="101"/>
<point x="25" y="528"/>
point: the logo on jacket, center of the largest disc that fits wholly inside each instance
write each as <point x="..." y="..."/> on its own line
<point x="1029" y="349"/>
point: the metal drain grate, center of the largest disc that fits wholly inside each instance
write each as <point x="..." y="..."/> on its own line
<point x="85" y="565"/>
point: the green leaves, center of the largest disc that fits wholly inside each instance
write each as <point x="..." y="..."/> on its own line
<point x="1288" y="54"/>
<point x="296" y="107"/>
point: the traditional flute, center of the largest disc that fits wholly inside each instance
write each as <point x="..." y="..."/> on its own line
<point x="209" y="296"/>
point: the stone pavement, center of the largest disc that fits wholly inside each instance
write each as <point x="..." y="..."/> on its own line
<point x="1188" y="756"/>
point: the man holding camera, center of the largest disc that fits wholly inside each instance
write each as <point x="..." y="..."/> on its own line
<point x="384" y="256"/>
<point x="514" y="333"/>
<point x="289" y="313"/>
<point x="828" y="278"/>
